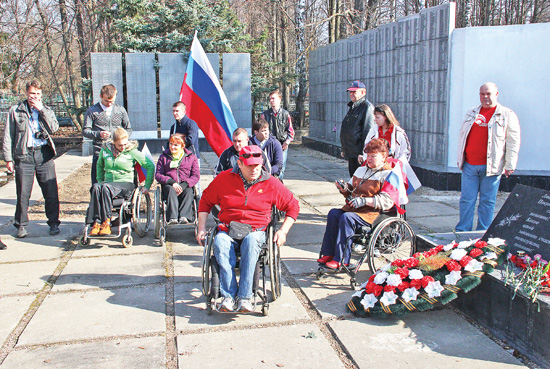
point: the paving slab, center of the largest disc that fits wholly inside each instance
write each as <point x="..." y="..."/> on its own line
<point x="111" y="271"/>
<point x="12" y="308"/>
<point x="272" y="347"/>
<point x="301" y="259"/>
<point x="331" y="199"/>
<point x="113" y="246"/>
<point x="304" y="233"/>
<point x="92" y="314"/>
<point x="20" y="278"/>
<point x="331" y="293"/>
<point x="187" y="267"/>
<point x="429" y="209"/>
<point x="443" y="223"/>
<point x="307" y="186"/>
<point x="148" y="352"/>
<point x="434" y="339"/>
<point x="191" y="310"/>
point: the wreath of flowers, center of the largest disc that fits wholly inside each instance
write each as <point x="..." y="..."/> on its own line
<point x="427" y="279"/>
<point x="533" y="276"/>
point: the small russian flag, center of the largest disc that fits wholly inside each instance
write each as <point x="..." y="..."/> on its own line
<point x="142" y="172"/>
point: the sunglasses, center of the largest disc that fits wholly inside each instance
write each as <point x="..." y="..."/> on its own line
<point x="253" y="155"/>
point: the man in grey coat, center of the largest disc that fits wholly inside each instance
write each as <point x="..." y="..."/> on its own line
<point x="29" y="150"/>
<point x="102" y="119"/>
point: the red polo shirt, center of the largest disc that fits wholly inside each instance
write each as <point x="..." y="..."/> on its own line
<point x="475" y="152"/>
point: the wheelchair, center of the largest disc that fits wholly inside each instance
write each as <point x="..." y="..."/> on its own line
<point x="268" y="265"/>
<point x="160" y="215"/>
<point x="130" y="212"/>
<point x="389" y="238"/>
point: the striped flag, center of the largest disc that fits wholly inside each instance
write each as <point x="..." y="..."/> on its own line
<point x="142" y="172"/>
<point x="412" y="183"/>
<point x="395" y="185"/>
<point x="205" y="100"/>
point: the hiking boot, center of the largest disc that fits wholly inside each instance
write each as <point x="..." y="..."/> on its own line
<point x="95" y="229"/>
<point x="227" y="305"/>
<point x="54" y="229"/>
<point x="245" y="306"/>
<point x="105" y="228"/>
<point x="22" y="232"/>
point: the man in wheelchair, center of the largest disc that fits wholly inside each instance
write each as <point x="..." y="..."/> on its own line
<point x="245" y="195"/>
<point x="364" y="201"/>
<point x="115" y="178"/>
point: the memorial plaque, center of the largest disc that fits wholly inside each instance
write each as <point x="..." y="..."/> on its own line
<point x="237" y="85"/>
<point x="107" y="69"/>
<point x="524" y="221"/>
<point x="171" y="73"/>
<point x="141" y="94"/>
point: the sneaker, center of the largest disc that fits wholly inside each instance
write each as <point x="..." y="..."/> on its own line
<point x="105" y="228"/>
<point x="3" y="245"/>
<point x="22" y="232"/>
<point x="245" y="306"/>
<point x="95" y="229"/>
<point x="227" y="305"/>
<point x="54" y="229"/>
<point x="184" y="220"/>
<point x="172" y="221"/>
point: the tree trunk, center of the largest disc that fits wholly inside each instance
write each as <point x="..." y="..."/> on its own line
<point x="467" y="13"/>
<point x="301" y="69"/>
<point x="82" y="49"/>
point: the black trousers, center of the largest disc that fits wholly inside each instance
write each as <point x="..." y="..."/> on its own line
<point x="39" y="162"/>
<point x="101" y="201"/>
<point x="95" y="158"/>
<point x="178" y="206"/>
<point x="353" y="164"/>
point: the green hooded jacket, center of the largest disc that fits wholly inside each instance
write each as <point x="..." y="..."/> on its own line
<point x="121" y="168"/>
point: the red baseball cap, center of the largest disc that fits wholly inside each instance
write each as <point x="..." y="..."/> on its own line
<point x="251" y="155"/>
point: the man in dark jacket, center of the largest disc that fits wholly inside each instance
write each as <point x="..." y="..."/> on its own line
<point x="102" y="119"/>
<point x="269" y="145"/>
<point x="29" y="150"/>
<point x="228" y="158"/>
<point x="246" y="195"/>
<point x="356" y="124"/>
<point x="186" y="127"/>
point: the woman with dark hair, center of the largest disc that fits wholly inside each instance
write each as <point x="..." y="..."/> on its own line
<point x="364" y="202"/>
<point x="387" y="127"/>
<point x="177" y="172"/>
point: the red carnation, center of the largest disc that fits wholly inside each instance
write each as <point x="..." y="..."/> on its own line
<point x="411" y="262"/>
<point x="389" y="288"/>
<point x="427" y="279"/>
<point x="465" y="260"/>
<point x="453" y="266"/>
<point x="369" y="288"/>
<point x="403" y="286"/>
<point x="371" y="278"/>
<point x="402" y="272"/>
<point x="534" y="264"/>
<point x="480" y="244"/>
<point x="439" y="248"/>
<point x="475" y="253"/>
<point x="398" y="263"/>
<point x="377" y="290"/>
<point x="416" y="283"/>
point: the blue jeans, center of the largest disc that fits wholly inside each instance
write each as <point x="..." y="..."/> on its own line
<point x="224" y="251"/>
<point x="341" y="226"/>
<point x="474" y="181"/>
<point x="285" y="155"/>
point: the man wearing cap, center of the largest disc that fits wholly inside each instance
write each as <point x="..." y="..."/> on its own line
<point x="356" y="124"/>
<point x="245" y="195"/>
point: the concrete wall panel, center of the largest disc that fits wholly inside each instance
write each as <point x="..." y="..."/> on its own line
<point x="141" y="94"/>
<point x="236" y="78"/>
<point x="107" y="69"/>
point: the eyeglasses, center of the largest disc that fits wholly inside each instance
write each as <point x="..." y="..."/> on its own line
<point x="254" y="155"/>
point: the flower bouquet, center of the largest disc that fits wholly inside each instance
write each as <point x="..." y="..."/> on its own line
<point x="533" y="276"/>
<point x="427" y="279"/>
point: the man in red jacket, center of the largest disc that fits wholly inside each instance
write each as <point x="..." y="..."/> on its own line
<point x="245" y="194"/>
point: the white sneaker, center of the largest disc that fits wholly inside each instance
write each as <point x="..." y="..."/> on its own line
<point x="227" y="305"/>
<point x="245" y="306"/>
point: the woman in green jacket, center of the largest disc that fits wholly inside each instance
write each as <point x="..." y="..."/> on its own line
<point x="115" y="178"/>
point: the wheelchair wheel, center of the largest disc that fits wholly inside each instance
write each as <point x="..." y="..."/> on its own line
<point x="274" y="265"/>
<point x="392" y="239"/>
<point x="141" y="212"/>
<point x="158" y="210"/>
<point x="206" y="257"/>
<point x="83" y="241"/>
<point x="127" y="240"/>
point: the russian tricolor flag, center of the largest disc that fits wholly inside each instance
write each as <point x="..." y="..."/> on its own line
<point x="205" y="100"/>
<point x="141" y="171"/>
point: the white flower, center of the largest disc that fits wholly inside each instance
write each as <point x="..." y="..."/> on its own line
<point x="415" y="274"/>
<point x="489" y="255"/>
<point x="380" y="277"/>
<point x="357" y="293"/>
<point x="363" y="285"/>
<point x="434" y="289"/>
<point x="458" y="254"/>
<point x="388" y="298"/>
<point x="464" y="244"/>
<point x="386" y="267"/>
<point x="453" y="277"/>
<point x="496" y="241"/>
<point x="474" y="266"/>
<point x="450" y="246"/>
<point x="369" y="300"/>
<point x="393" y="280"/>
<point x="410" y="294"/>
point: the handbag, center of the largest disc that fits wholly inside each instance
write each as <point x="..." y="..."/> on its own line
<point x="238" y="231"/>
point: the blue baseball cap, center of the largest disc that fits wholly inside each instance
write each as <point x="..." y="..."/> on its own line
<point x="356" y="85"/>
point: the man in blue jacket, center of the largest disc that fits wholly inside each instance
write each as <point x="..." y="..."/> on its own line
<point x="270" y="146"/>
<point x="186" y="127"/>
